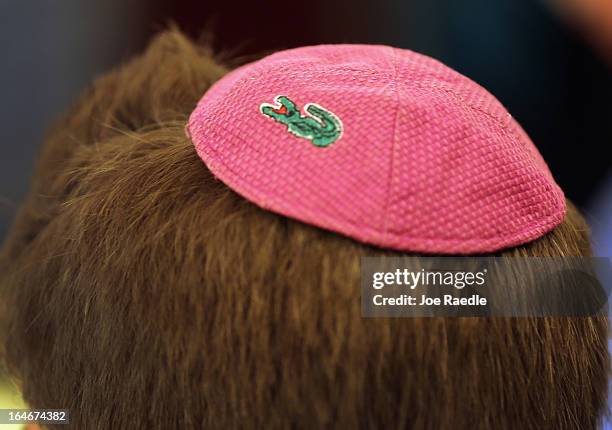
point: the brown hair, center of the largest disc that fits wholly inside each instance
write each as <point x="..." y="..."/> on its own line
<point x="146" y="294"/>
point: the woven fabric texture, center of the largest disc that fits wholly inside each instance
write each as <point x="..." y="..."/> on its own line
<point x="427" y="160"/>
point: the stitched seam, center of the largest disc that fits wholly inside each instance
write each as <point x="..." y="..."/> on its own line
<point x="395" y="144"/>
<point x="546" y="224"/>
<point x="543" y="222"/>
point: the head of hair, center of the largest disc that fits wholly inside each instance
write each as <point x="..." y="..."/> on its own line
<point x="141" y="292"/>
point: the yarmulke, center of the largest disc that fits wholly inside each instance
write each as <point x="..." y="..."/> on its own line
<point x="383" y="145"/>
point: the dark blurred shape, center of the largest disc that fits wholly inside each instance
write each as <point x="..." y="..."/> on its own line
<point x="52" y="50"/>
<point x="594" y="18"/>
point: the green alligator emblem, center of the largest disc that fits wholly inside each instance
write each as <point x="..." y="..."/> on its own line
<point x="319" y="125"/>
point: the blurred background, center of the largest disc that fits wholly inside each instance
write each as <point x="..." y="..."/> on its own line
<point x="548" y="61"/>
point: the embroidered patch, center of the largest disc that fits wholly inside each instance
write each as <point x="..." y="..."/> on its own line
<point x="319" y="125"/>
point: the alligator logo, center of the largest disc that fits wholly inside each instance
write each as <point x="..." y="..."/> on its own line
<point x="319" y="125"/>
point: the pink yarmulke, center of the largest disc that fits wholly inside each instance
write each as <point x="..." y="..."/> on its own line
<point x="383" y="145"/>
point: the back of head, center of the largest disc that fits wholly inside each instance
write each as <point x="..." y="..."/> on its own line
<point x="145" y="293"/>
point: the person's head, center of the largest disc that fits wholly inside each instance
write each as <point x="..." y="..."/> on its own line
<point x="145" y="293"/>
